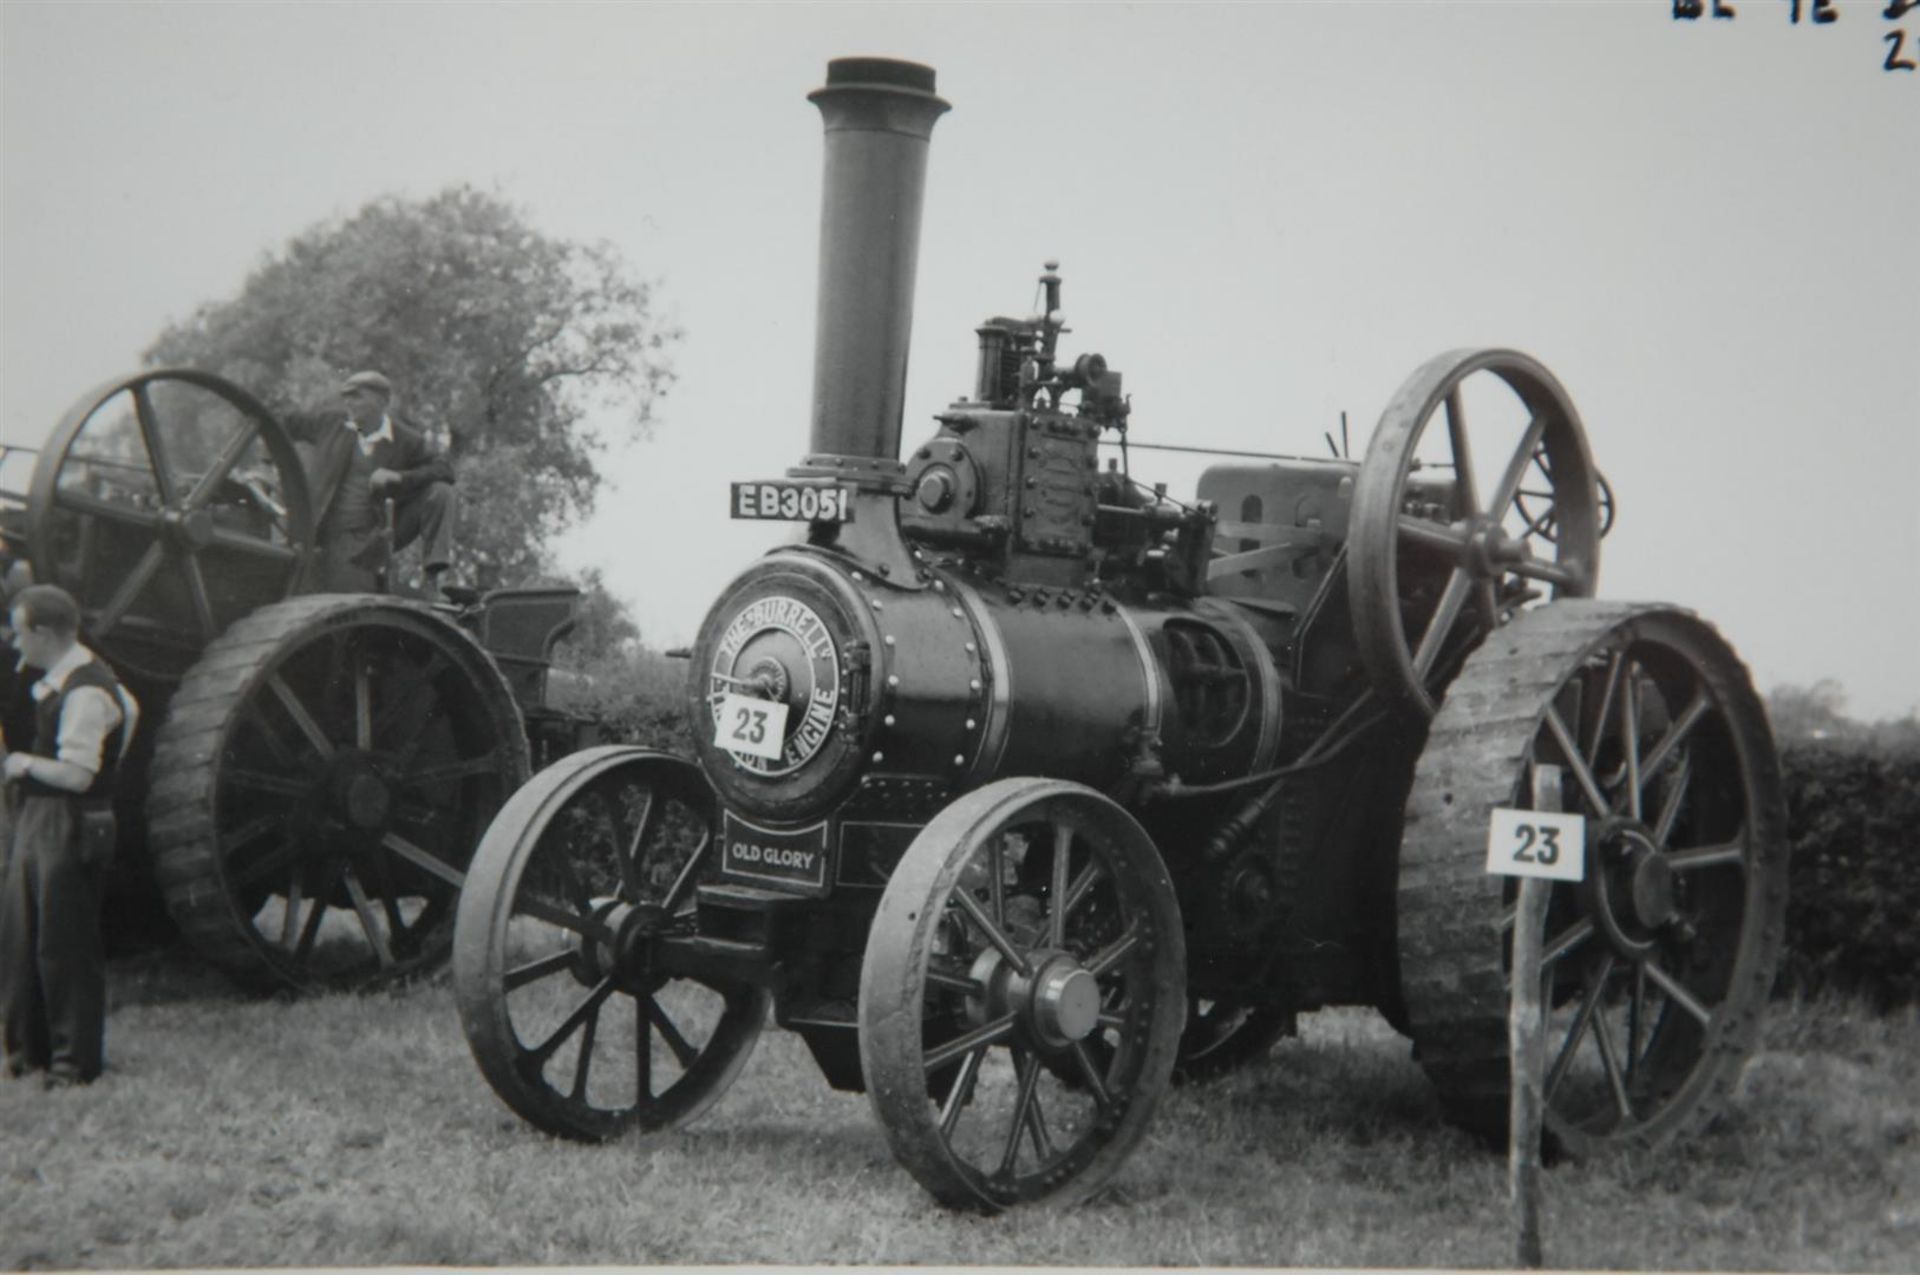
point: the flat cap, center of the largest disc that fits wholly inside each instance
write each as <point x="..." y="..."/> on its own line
<point x="368" y="381"/>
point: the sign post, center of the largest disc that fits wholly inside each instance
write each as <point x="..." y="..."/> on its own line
<point x="1540" y="846"/>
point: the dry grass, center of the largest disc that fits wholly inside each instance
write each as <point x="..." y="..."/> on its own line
<point x="356" y="1131"/>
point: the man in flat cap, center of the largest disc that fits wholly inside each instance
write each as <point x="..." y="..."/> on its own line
<point x="358" y="464"/>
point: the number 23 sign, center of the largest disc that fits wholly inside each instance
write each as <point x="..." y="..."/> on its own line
<point x="1536" y="843"/>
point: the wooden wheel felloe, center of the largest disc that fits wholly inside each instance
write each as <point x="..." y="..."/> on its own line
<point x="170" y="504"/>
<point x="1453" y="529"/>
<point x="571" y="1019"/>
<point x="1658" y="964"/>
<point x="1022" y="995"/>
<point x="319" y="785"/>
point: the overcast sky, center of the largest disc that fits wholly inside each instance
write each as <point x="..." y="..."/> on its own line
<point x="1265" y="215"/>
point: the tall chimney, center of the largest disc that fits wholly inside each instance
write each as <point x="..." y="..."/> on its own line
<point x="879" y="116"/>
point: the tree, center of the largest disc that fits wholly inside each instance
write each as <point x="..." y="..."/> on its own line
<point x="1802" y="712"/>
<point x="508" y="343"/>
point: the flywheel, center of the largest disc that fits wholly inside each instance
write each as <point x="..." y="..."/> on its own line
<point x="1659" y="961"/>
<point x="323" y="776"/>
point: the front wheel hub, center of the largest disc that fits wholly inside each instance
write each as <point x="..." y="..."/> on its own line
<point x="1057" y="1004"/>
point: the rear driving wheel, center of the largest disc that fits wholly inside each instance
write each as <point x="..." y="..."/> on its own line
<point x="319" y="785"/>
<point x="1658" y="963"/>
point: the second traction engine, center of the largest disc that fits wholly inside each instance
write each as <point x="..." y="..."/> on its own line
<point x="1022" y="790"/>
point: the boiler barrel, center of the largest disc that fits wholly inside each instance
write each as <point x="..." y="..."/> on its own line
<point x="879" y="116"/>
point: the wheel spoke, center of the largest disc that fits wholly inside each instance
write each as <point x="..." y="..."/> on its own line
<point x="684" y="1052"/>
<point x="277" y="784"/>
<point x="556" y="914"/>
<point x="1678" y="994"/>
<point x="202" y="600"/>
<point x="1610" y="1060"/>
<point x="1057" y="923"/>
<point x="1727" y="852"/>
<point x="1115" y="952"/>
<point x="1027" y="1068"/>
<point x="290" y="916"/>
<point x="587" y="1008"/>
<point x="1598" y="720"/>
<point x="1509" y="484"/>
<point x="1082" y="887"/>
<point x="997" y="878"/>
<point x="689" y="874"/>
<point x="423" y="859"/>
<point x="987" y="1033"/>
<point x="486" y="763"/>
<point x="362" y="706"/>
<point x="1090" y="1073"/>
<point x="1467" y="497"/>
<point x="130" y="588"/>
<point x="149" y="419"/>
<point x="994" y="934"/>
<point x="1445" y="612"/>
<point x="363" y="908"/>
<point x="965" y="985"/>
<point x="1582" y="1018"/>
<point x="1630" y="738"/>
<point x="962" y="1088"/>
<point x="80" y="502"/>
<point x="1569" y="939"/>
<point x="1576" y="763"/>
<point x="301" y="717"/>
<point x="1682" y="726"/>
<point x="520" y="975"/>
<point x="1636" y="1018"/>
<point x="252" y="546"/>
<point x="1551" y="572"/>
<point x="583" y="1061"/>
<point x="630" y="862"/>
<point x="1670" y="807"/>
<point x="271" y="861"/>
<point x="311" y="931"/>
<point x="1423" y="531"/>
<point x="223" y="463"/>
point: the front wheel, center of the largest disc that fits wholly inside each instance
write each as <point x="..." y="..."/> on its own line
<point x="583" y="870"/>
<point x="1022" y="995"/>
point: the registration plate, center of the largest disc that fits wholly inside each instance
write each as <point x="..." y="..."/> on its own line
<point x="786" y="856"/>
<point x="792" y="502"/>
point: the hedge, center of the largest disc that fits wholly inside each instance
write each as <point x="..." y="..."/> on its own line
<point x="1853" y="915"/>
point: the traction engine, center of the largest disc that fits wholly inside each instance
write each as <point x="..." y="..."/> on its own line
<point x="1024" y="789"/>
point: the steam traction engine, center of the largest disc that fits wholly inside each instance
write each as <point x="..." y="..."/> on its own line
<point x="1023" y="788"/>
<point x="314" y="769"/>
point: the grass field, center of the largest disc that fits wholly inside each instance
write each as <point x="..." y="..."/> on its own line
<point x="355" y="1130"/>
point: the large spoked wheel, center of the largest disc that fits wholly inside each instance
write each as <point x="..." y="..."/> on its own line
<point x="170" y="504"/>
<point x="1022" y="995"/>
<point x="572" y="1020"/>
<point x="1452" y="529"/>
<point x="1658" y="963"/>
<point x="319" y="786"/>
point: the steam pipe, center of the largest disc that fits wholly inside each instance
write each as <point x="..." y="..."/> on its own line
<point x="879" y="116"/>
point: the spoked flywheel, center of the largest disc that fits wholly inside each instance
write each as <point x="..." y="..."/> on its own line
<point x="1454" y="528"/>
<point x="170" y="503"/>
<point x="323" y="776"/>
<point x="1022" y="995"/>
<point x="575" y="1020"/>
<point x="1658" y="963"/>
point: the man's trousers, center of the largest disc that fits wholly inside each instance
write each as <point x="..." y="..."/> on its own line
<point x="53" y="964"/>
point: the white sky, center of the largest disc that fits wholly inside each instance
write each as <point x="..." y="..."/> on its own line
<point x="1265" y="215"/>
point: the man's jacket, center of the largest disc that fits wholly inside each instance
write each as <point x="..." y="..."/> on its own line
<point x="330" y="440"/>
